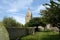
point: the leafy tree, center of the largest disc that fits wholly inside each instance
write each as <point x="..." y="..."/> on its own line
<point x="52" y="13"/>
<point x="59" y="0"/>
<point x="35" y="22"/>
<point x="10" y="22"/>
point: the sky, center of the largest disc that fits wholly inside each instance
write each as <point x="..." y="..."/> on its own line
<point x="18" y="8"/>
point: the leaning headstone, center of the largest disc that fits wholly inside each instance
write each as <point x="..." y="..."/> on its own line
<point x="3" y="33"/>
<point x="48" y="26"/>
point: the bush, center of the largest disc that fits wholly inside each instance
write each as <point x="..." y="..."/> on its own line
<point x="10" y="22"/>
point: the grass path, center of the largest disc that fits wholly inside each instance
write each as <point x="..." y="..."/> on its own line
<point x="42" y="36"/>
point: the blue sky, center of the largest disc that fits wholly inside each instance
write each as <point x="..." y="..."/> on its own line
<point x="18" y="8"/>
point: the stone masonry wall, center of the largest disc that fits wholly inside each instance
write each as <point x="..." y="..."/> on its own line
<point x="18" y="32"/>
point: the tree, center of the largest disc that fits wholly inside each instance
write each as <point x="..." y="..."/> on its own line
<point x="35" y="22"/>
<point x="10" y="22"/>
<point x="52" y="13"/>
<point x="59" y="0"/>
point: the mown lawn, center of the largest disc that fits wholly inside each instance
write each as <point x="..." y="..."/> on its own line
<point x="42" y="36"/>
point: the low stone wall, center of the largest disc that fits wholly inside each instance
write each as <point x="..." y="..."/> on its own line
<point x="18" y="32"/>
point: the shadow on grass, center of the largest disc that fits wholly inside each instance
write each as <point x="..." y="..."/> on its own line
<point x="41" y="36"/>
<point x="52" y="37"/>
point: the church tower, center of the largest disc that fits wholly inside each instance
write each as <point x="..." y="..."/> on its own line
<point x="28" y="16"/>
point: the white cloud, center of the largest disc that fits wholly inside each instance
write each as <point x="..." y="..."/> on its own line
<point x="15" y="5"/>
<point x="19" y="4"/>
<point x="12" y="10"/>
<point x="19" y="19"/>
<point x="38" y="8"/>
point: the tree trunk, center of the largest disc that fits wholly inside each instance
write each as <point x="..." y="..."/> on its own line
<point x="59" y="29"/>
<point x="36" y="29"/>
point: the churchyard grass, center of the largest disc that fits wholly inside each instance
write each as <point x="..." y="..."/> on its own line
<point x="42" y="36"/>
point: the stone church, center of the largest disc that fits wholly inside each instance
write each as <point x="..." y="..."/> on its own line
<point x="28" y="16"/>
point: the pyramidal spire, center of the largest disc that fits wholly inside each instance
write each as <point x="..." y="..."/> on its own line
<point x="28" y="8"/>
<point x="29" y="11"/>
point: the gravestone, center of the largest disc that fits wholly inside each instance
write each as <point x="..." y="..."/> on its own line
<point x="55" y="29"/>
<point x="41" y="28"/>
<point x="3" y="33"/>
<point x="48" y="26"/>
